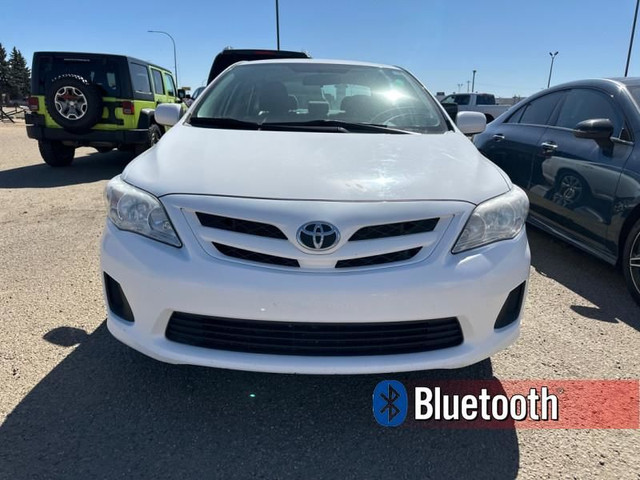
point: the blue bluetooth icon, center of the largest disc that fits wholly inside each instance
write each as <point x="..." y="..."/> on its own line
<point x="390" y="403"/>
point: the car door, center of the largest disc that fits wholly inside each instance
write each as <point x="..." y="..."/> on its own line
<point x="574" y="180"/>
<point x="159" y="90"/>
<point x="172" y="93"/>
<point x="513" y="144"/>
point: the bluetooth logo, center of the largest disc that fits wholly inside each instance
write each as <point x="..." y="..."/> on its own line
<point x="390" y="403"/>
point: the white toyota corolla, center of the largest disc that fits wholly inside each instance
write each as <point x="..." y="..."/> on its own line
<point x="312" y="216"/>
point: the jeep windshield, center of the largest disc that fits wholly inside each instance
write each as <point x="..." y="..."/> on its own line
<point x="310" y="96"/>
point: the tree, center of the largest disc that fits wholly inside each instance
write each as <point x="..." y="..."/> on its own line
<point x="19" y="75"/>
<point x="4" y="72"/>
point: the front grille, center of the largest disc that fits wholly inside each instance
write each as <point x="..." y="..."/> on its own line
<point x="379" y="259"/>
<point x="255" y="256"/>
<point x="240" y="226"/>
<point x="314" y="339"/>
<point x="395" y="229"/>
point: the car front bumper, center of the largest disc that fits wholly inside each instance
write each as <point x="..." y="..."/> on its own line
<point x="158" y="280"/>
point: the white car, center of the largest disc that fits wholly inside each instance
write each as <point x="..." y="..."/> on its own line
<point x="310" y="216"/>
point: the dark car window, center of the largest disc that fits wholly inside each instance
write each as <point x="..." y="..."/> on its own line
<point x="459" y="99"/>
<point x="103" y="72"/>
<point x="171" y="88"/>
<point x="539" y="111"/>
<point x="157" y="82"/>
<point x="485" y="100"/>
<point x="140" y="78"/>
<point x="584" y="104"/>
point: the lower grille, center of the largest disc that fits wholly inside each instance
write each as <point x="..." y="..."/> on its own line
<point x="314" y="339"/>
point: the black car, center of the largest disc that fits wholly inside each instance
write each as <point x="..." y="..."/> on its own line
<point x="573" y="149"/>
<point x="229" y="56"/>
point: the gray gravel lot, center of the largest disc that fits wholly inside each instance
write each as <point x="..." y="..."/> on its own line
<point x="75" y="403"/>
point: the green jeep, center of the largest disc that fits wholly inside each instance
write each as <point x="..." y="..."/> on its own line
<point x="98" y="100"/>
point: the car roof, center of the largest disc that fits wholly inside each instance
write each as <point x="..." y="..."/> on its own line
<point x="99" y="54"/>
<point x="321" y="61"/>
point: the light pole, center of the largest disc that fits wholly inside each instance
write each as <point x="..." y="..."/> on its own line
<point x="460" y="87"/>
<point x="278" y="24"/>
<point x="473" y="81"/>
<point x="175" y="58"/>
<point x="633" y="31"/>
<point x="553" y="57"/>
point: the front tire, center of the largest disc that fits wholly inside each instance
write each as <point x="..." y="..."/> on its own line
<point x="56" y="154"/>
<point x="631" y="261"/>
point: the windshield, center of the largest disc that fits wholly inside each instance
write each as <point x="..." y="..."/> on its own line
<point x="317" y="94"/>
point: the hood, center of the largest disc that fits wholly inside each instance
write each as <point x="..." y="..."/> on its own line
<point x="316" y="166"/>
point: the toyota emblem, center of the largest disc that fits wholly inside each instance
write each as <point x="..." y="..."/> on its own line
<point x="318" y="236"/>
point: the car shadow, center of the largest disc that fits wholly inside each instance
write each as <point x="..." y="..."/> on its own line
<point x="84" y="169"/>
<point x="108" y="412"/>
<point x="596" y="281"/>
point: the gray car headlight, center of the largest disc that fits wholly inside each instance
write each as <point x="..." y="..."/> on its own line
<point x="135" y="210"/>
<point x="499" y="218"/>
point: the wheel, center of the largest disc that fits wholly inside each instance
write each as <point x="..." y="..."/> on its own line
<point x="74" y="103"/>
<point x="104" y="149"/>
<point x="56" y="154"/>
<point x="631" y="261"/>
<point x="154" y="135"/>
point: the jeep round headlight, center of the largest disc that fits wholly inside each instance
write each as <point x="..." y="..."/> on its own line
<point x="135" y="210"/>
<point x="499" y="218"/>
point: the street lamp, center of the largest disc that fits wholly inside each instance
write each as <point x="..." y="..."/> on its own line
<point x="473" y="82"/>
<point x="633" y="31"/>
<point x="175" y="61"/>
<point x="278" y="24"/>
<point x="553" y="57"/>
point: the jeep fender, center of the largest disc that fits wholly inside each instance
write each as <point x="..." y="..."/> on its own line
<point x="147" y="118"/>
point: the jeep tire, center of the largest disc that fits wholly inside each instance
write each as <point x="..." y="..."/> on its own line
<point x="153" y="136"/>
<point x="56" y="154"/>
<point x="74" y="103"/>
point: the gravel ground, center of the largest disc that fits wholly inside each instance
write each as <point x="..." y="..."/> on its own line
<point x="75" y="403"/>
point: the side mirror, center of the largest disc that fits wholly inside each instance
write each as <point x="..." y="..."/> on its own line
<point x="598" y="129"/>
<point x="168" y="114"/>
<point x="181" y="93"/>
<point x="451" y="109"/>
<point x="471" y="123"/>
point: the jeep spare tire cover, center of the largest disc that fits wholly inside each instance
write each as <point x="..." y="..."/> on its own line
<point x="73" y="102"/>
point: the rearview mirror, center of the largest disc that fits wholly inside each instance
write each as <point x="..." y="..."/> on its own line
<point x="471" y="123"/>
<point x="598" y="129"/>
<point x="182" y="93"/>
<point x="168" y="114"/>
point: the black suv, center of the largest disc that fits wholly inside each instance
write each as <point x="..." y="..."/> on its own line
<point x="229" y="56"/>
<point x="98" y="100"/>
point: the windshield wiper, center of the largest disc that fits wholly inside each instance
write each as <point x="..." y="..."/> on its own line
<point x="221" y="122"/>
<point x="340" y="125"/>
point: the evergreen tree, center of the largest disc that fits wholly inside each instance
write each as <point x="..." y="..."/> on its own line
<point x="4" y="71"/>
<point x="19" y="77"/>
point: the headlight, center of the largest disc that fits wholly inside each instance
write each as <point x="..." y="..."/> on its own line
<point x="135" y="210"/>
<point x="500" y="218"/>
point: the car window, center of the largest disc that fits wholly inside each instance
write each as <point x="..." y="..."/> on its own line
<point x="140" y="78"/>
<point x="515" y="117"/>
<point x="539" y="111"/>
<point x="485" y="100"/>
<point x="584" y="104"/>
<point x="171" y="88"/>
<point x="103" y="72"/>
<point x="158" y="87"/>
<point x="297" y="92"/>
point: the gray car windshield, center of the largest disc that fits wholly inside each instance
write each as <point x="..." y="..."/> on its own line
<point x="319" y="95"/>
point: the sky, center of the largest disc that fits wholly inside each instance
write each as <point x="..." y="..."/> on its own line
<point x="440" y="41"/>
